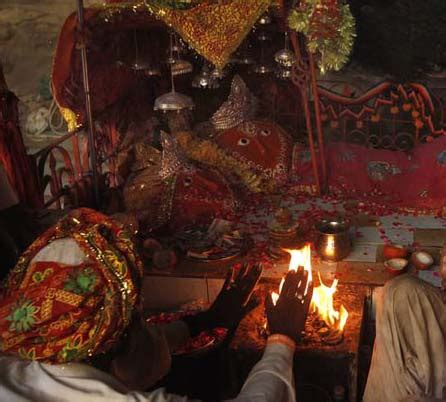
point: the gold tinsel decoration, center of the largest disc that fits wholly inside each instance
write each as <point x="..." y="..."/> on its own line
<point x="209" y="153"/>
<point x="214" y="30"/>
<point x="329" y="28"/>
<point x="71" y="119"/>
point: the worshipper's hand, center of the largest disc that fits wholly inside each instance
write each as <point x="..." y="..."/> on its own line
<point x="287" y="317"/>
<point x="234" y="300"/>
<point x="232" y="303"/>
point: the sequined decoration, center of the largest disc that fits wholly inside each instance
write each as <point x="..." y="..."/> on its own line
<point x="240" y="106"/>
<point x="214" y="30"/>
<point x="173" y="158"/>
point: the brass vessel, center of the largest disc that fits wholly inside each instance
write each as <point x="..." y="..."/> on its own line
<point x="333" y="241"/>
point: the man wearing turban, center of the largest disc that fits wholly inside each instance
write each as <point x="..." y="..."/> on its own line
<point x="72" y="304"/>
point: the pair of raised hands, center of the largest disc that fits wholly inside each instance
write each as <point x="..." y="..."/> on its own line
<point x="234" y="301"/>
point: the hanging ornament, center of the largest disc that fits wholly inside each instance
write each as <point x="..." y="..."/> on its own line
<point x="218" y="74"/>
<point x="142" y="62"/>
<point x="204" y="79"/>
<point x="264" y="19"/>
<point x="262" y="67"/>
<point x="263" y="36"/>
<point x="244" y="60"/>
<point x="283" y="73"/>
<point x="120" y="60"/>
<point x="214" y="29"/>
<point x="285" y="57"/>
<point x="329" y="27"/>
<point x="181" y="67"/>
<point x="173" y="101"/>
<point x="243" y="55"/>
<point x="177" y="64"/>
<point x="172" y="52"/>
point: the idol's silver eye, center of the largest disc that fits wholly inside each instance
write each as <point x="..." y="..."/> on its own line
<point x="265" y="132"/>
<point x="243" y="141"/>
<point x="187" y="181"/>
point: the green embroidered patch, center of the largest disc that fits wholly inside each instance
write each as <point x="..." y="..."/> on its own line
<point x="81" y="281"/>
<point x="22" y="316"/>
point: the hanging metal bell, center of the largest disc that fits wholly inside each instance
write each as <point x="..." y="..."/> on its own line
<point x="283" y="73"/>
<point x="263" y="36"/>
<point x="218" y="74"/>
<point x="285" y="57"/>
<point x="262" y="68"/>
<point x="204" y="79"/>
<point x="181" y="66"/>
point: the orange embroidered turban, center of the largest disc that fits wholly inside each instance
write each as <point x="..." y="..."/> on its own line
<point x="58" y="313"/>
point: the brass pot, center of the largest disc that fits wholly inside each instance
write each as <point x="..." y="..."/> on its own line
<point x="333" y="241"/>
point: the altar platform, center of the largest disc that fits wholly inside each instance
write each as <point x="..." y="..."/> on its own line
<point x="319" y="367"/>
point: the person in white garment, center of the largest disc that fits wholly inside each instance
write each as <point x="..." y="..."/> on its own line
<point x="73" y="304"/>
<point x="409" y="357"/>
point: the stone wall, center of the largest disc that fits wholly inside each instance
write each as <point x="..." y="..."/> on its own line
<point x="28" y="35"/>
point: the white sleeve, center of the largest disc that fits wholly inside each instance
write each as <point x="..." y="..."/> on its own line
<point x="24" y="381"/>
<point x="271" y="379"/>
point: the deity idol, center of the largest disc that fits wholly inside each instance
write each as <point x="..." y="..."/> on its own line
<point x="257" y="152"/>
<point x="163" y="187"/>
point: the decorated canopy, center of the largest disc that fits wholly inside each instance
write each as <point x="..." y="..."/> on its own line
<point x="213" y="29"/>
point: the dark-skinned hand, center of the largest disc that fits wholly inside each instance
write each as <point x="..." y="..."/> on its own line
<point x="232" y="303"/>
<point x="289" y="314"/>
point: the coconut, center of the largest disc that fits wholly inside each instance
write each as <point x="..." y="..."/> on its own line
<point x="421" y="260"/>
<point x="396" y="266"/>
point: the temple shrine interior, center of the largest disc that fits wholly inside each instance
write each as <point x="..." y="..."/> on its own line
<point x="196" y="138"/>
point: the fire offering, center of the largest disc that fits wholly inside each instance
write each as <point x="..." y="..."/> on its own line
<point x="326" y="322"/>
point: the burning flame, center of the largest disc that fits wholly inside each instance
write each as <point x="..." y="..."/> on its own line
<point x="322" y="300"/>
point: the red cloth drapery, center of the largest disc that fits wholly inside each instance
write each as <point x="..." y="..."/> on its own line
<point x="13" y="157"/>
<point x="108" y="34"/>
